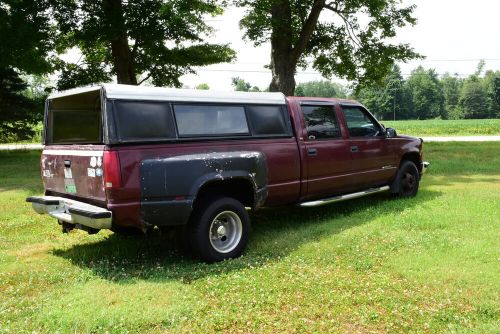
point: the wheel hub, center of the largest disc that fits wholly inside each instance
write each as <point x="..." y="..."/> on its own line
<point x="225" y="231"/>
<point x="221" y="231"/>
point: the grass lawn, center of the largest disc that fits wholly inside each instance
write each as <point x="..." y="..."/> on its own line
<point x="465" y="127"/>
<point x="428" y="264"/>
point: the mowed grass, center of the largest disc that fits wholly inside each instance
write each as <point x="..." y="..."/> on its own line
<point x="464" y="127"/>
<point x="427" y="264"/>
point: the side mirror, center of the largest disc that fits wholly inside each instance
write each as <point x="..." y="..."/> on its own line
<point x="390" y="133"/>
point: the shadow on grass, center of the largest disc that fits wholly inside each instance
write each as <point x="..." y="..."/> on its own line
<point x="276" y="233"/>
<point x="450" y="179"/>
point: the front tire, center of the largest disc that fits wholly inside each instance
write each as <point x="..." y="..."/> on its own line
<point x="219" y="229"/>
<point x="407" y="180"/>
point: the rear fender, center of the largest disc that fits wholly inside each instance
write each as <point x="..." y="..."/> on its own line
<point x="169" y="186"/>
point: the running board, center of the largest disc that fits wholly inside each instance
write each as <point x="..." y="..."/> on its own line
<point x="344" y="197"/>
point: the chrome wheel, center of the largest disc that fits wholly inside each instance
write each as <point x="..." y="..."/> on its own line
<point x="225" y="231"/>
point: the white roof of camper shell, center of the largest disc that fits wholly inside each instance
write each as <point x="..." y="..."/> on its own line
<point x="128" y="92"/>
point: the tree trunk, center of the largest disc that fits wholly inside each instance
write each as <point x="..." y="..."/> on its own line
<point x="283" y="75"/>
<point x="284" y="55"/>
<point x="282" y="64"/>
<point x="123" y="61"/>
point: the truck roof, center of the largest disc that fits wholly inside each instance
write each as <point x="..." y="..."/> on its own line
<point x="128" y="92"/>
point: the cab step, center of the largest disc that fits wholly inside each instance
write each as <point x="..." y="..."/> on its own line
<point x="344" y="197"/>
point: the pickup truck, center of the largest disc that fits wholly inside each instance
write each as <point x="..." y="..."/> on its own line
<point x="130" y="158"/>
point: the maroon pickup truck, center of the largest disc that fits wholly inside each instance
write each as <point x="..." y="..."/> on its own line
<point x="131" y="158"/>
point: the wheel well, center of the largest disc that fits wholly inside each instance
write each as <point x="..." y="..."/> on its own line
<point x="239" y="189"/>
<point x="413" y="157"/>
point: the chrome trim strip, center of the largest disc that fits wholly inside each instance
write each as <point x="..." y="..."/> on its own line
<point x="344" y="197"/>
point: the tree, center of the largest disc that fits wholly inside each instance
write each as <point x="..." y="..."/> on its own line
<point x="426" y="93"/>
<point x="321" y="88"/>
<point x="203" y="86"/>
<point x="240" y="85"/>
<point x="343" y="45"/>
<point x="474" y="99"/>
<point x="27" y="37"/>
<point x="17" y="112"/>
<point x="451" y="93"/>
<point x="389" y="100"/>
<point x="157" y="39"/>
<point x="492" y="87"/>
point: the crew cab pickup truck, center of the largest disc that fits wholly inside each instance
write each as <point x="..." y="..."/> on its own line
<point x="130" y="158"/>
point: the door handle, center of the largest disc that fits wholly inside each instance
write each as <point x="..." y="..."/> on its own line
<point x="312" y="151"/>
<point x="354" y="149"/>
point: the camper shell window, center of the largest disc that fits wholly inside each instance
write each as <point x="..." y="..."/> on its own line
<point x="74" y="119"/>
<point x="143" y="120"/>
<point x="210" y="120"/>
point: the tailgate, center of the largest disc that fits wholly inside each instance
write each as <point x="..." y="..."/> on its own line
<point x="74" y="171"/>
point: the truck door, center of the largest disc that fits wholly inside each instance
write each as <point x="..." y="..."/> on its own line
<point x="373" y="161"/>
<point x="327" y="154"/>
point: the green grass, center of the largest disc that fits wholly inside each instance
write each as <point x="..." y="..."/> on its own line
<point x="427" y="264"/>
<point x="471" y="127"/>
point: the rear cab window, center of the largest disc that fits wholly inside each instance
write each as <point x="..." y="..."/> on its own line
<point x="321" y="122"/>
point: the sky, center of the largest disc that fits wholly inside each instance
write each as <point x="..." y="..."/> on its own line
<point x="453" y="35"/>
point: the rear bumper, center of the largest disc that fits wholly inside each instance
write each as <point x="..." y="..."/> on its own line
<point x="71" y="211"/>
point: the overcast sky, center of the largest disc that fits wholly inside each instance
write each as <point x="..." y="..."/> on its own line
<point x="453" y="35"/>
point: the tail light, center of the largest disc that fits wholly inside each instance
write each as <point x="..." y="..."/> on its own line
<point x="112" y="171"/>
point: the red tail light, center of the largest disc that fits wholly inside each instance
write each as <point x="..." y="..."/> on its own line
<point x="112" y="172"/>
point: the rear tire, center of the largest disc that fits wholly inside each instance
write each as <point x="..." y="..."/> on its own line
<point x="219" y="229"/>
<point x="407" y="180"/>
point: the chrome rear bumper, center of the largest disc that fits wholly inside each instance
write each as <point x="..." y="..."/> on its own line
<point x="72" y="212"/>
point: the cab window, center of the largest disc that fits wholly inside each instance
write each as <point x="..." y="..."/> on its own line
<point x="321" y="122"/>
<point x="360" y="123"/>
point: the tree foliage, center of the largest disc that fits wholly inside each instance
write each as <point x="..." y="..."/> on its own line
<point x="387" y="98"/>
<point x="351" y="40"/>
<point x="136" y="40"/>
<point x="424" y="95"/>
<point x="321" y="88"/>
<point x="473" y="99"/>
<point x="26" y="38"/>
<point x="240" y="85"/>
<point x="452" y="85"/>
<point x="203" y="86"/>
<point x="492" y="86"/>
<point x="18" y="113"/>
